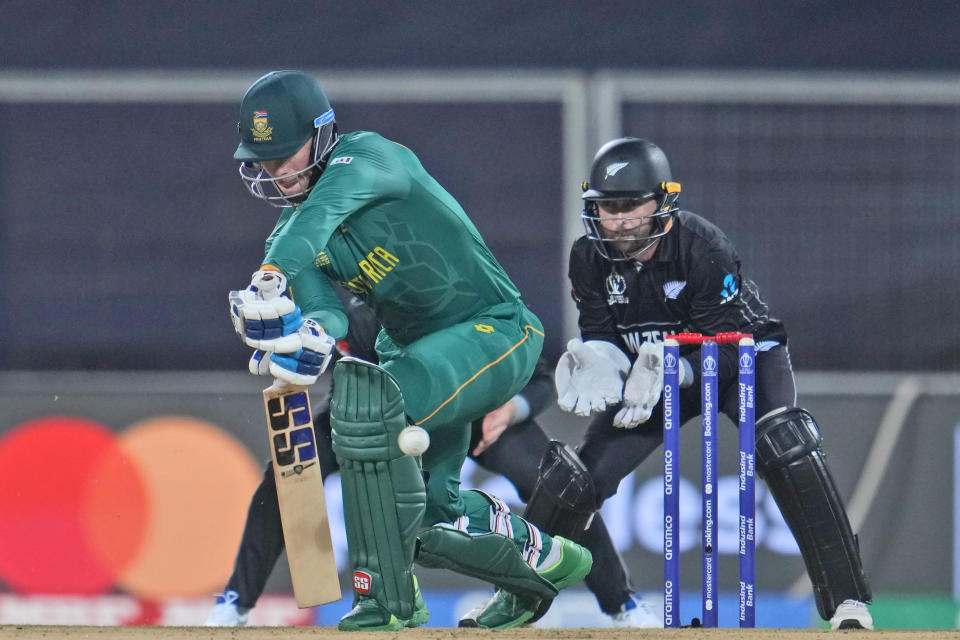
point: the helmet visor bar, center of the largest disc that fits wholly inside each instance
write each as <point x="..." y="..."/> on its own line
<point x="621" y="243"/>
<point x="266" y="187"/>
<point x="620" y="205"/>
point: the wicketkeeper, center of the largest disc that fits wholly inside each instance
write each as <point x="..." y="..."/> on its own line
<point x="644" y="269"/>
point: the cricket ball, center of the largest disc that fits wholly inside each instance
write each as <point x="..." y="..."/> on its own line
<point x="413" y="440"/>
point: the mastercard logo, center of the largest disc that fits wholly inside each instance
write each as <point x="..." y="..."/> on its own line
<point x="156" y="510"/>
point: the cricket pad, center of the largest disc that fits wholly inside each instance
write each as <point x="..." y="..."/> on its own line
<point x="791" y="461"/>
<point x="489" y="556"/>
<point x="384" y="498"/>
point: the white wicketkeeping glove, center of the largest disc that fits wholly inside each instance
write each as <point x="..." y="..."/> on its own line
<point x="589" y="376"/>
<point x="642" y="389"/>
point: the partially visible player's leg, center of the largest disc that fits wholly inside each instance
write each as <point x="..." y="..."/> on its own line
<point x="563" y="502"/>
<point x="610" y="454"/>
<point x="608" y="580"/>
<point x="262" y="541"/>
<point x="791" y="461"/>
<point x="321" y="429"/>
<point x="515" y="455"/>
<point x="451" y="378"/>
<point x="260" y="546"/>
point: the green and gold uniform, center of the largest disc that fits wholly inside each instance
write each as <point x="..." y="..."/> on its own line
<point x="457" y="342"/>
<point x="456" y="336"/>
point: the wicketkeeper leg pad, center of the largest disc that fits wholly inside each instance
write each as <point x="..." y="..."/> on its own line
<point x="563" y="502"/>
<point x="383" y="492"/>
<point x="791" y="461"/>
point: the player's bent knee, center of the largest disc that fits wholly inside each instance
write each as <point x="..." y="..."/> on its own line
<point x="366" y="411"/>
<point x="564" y="498"/>
<point x="784" y="436"/>
<point x="490" y="556"/>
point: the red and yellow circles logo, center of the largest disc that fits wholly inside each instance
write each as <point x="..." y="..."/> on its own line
<point x="156" y="510"/>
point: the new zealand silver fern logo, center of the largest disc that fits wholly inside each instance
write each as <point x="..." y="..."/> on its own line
<point x="613" y="169"/>
<point x="673" y="288"/>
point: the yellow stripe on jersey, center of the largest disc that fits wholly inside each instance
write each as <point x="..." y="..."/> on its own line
<point x="485" y="367"/>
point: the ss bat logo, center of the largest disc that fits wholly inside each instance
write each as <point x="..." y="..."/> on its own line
<point x="292" y="428"/>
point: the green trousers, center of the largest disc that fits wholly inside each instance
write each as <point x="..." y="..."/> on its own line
<point x="454" y="376"/>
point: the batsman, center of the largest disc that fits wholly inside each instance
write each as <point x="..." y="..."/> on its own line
<point x="457" y="342"/>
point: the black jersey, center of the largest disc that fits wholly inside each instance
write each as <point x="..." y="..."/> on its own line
<point x="691" y="284"/>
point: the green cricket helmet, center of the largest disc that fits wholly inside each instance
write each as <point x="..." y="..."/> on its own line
<point x="626" y="173"/>
<point x="279" y="113"/>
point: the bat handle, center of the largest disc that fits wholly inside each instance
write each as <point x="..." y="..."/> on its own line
<point x="279" y="384"/>
<point x="268" y="284"/>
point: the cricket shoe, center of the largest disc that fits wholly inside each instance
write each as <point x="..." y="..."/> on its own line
<point x="421" y="615"/>
<point x="225" y="612"/>
<point x="636" y="613"/>
<point x="370" y="615"/>
<point x="851" y="614"/>
<point x="506" y="610"/>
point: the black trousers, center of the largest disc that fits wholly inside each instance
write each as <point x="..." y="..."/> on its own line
<point x="611" y="453"/>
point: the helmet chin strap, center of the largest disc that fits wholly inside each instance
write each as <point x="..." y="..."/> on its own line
<point x="637" y="254"/>
<point x="653" y="242"/>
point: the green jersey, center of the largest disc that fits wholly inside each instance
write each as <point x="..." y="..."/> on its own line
<point x="380" y="225"/>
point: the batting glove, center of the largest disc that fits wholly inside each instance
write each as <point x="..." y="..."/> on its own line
<point x="305" y="365"/>
<point x="641" y="391"/>
<point x="263" y="317"/>
<point x="589" y="376"/>
<point x="259" y="364"/>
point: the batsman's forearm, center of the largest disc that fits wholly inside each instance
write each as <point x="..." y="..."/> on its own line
<point x="317" y="300"/>
<point x="291" y="253"/>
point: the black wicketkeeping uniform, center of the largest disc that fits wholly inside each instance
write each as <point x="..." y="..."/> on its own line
<point x="693" y="283"/>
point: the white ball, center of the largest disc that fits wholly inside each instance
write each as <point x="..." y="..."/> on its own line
<point x="413" y="440"/>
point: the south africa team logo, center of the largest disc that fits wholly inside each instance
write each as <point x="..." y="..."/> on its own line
<point x="262" y="131"/>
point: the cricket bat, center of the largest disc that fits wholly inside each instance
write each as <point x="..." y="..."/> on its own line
<point x="303" y="508"/>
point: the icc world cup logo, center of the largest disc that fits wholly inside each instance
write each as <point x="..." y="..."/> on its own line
<point x="669" y="362"/>
<point x="709" y="365"/>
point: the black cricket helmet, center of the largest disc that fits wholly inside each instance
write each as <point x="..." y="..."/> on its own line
<point x="625" y="174"/>
<point x="280" y="113"/>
